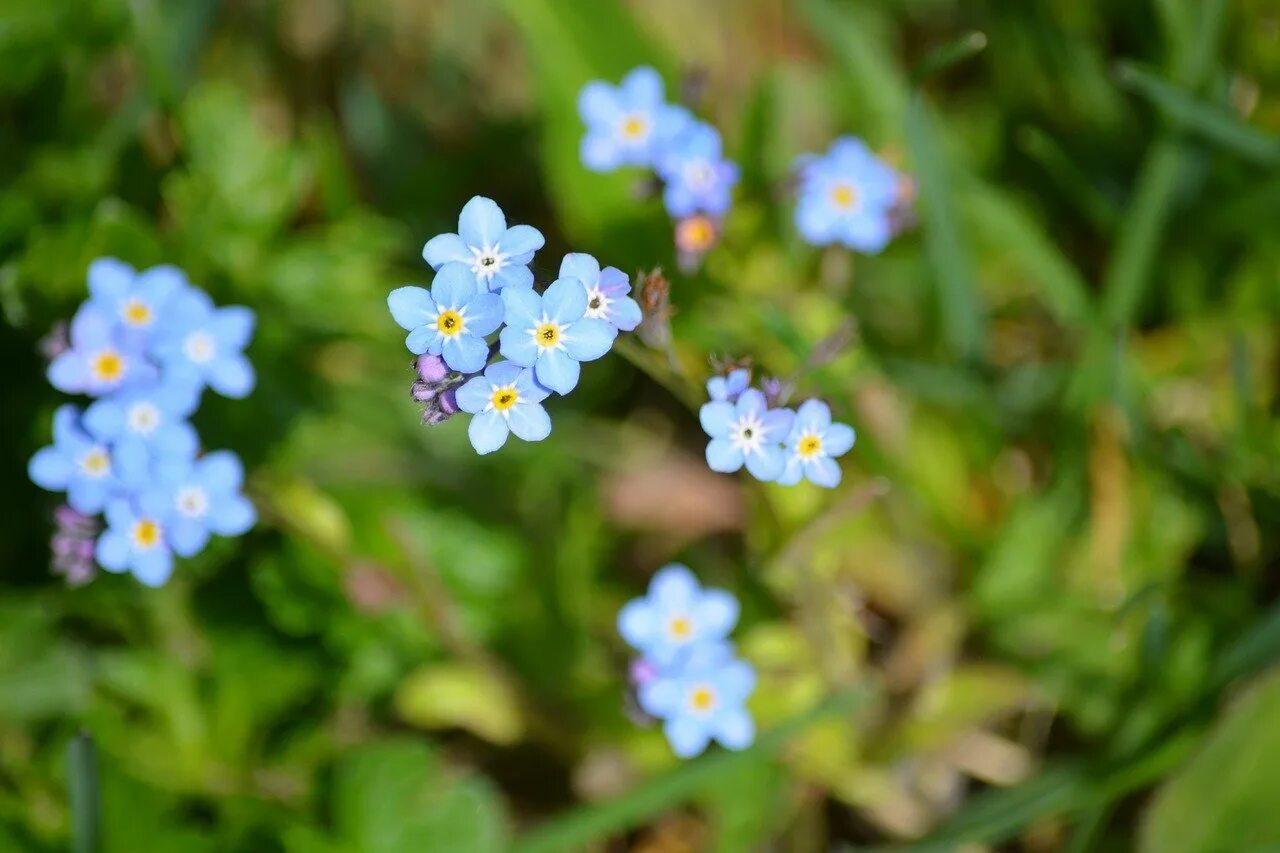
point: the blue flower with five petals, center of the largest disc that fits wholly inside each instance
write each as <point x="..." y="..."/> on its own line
<point x="847" y="196"/>
<point x="203" y="345"/>
<point x="504" y="400"/>
<point x="136" y="301"/>
<point x="729" y="388"/>
<point x="675" y="615"/>
<point x="144" y="426"/>
<point x="746" y="432"/>
<point x="813" y="444"/>
<point x="101" y="359"/>
<point x="701" y="699"/>
<point x="498" y="256"/>
<point x="629" y="124"/>
<point x="451" y="320"/>
<point x="698" y="179"/>
<point x="75" y="463"/>
<point x="204" y="498"/>
<point x="552" y="334"/>
<point x="607" y="291"/>
<point x="136" y="541"/>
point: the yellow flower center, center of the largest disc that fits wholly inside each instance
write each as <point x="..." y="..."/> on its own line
<point x="107" y="366"/>
<point x="681" y="627"/>
<point x="137" y="313"/>
<point x="146" y="533"/>
<point x="95" y="463"/>
<point x="634" y="126"/>
<point x="810" y="445"/>
<point x="844" y="196"/>
<point x="504" y="398"/>
<point x="449" y="323"/>
<point x="547" y="335"/>
<point x="702" y="698"/>
<point x="695" y="234"/>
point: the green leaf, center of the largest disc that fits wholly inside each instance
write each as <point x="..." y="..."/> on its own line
<point x="455" y="695"/>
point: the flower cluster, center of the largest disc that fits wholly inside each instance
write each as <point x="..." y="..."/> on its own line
<point x="631" y="124"/>
<point x="483" y="288"/>
<point x="775" y="444"/>
<point x="689" y="676"/>
<point x="144" y="346"/>
<point x="852" y="197"/>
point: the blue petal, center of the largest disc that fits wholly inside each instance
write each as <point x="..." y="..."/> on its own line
<point x="624" y="313"/>
<point x="513" y="276"/>
<point x="66" y="425"/>
<point x="232" y="516"/>
<point x="767" y="464"/>
<point x="722" y="456"/>
<point x="715" y="418"/>
<point x="822" y="471"/>
<point x="104" y="419"/>
<point x="520" y="240"/>
<point x="220" y="472"/>
<point x="68" y="372"/>
<point x="453" y="286"/>
<point x="50" y="469"/>
<point x="176" y="439"/>
<point x="642" y="87"/>
<point x="232" y="376"/>
<point x="565" y="300"/>
<point x="661" y="697"/>
<point x="600" y="152"/>
<point x="751" y="400"/>
<point x="232" y="326"/>
<point x="153" y="567"/>
<point x="866" y="232"/>
<point x="715" y="614"/>
<point x="187" y="537"/>
<point x="813" y="415"/>
<point x="637" y="623"/>
<point x="777" y="423"/>
<point x="792" y="472"/>
<point x="487" y="431"/>
<point x="581" y="266"/>
<point x="598" y="103"/>
<point x="132" y="461"/>
<point x="423" y="339"/>
<point x="557" y="371"/>
<point x="674" y="588"/>
<point x="734" y="728"/>
<point x="503" y="373"/>
<point x="735" y="680"/>
<point x="465" y="353"/>
<point x="485" y="313"/>
<point x="90" y="328"/>
<point x="529" y="388"/>
<point x="475" y="394"/>
<point x="446" y="248"/>
<point x="839" y="438"/>
<point x="589" y="339"/>
<point x="88" y="496"/>
<point x="517" y="345"/>
<point x="687" y="737"/>
<point x="110" y="279"/>
<point x="523" y="307"/>
<point x="481" y="223"/>
<point x="814" y="223"/>
<point x="678" y="200"/>
<point x="530" y="421"/>
<point x="112" y="550"/>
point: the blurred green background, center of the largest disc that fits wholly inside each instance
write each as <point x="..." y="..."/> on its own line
<point x="1038" y="614"/>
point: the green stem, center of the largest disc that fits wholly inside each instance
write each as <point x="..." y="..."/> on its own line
<point x="82" y="784"/>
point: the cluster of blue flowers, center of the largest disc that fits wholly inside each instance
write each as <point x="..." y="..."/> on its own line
<point x="144" y="346"/>
<point x="850" y="196"/>
<point x="775" y="444"/>
<point x="631" y="124"/>
<point x="482" y="286"/>
<point x="688" y="675"/>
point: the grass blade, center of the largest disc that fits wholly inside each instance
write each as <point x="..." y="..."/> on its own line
<point x="82" y="782"/>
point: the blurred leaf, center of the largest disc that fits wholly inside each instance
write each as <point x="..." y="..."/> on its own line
<point x="452" y="695"/>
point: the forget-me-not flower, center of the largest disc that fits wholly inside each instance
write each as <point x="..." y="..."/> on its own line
<point x="607" y="291"/>
<point x="101" y="359"/>
<point x="200" y="344"/>
<point x="552" y="334"/>
<point x="729" y="388"/>
<point x="451" y="320"/>
<point x="698" y="179"/>
<point x="503" y="400"/>
<point x="628" y="124"/>
<point x="701" y="699"/>
<point x="676" y="614"/>
<point x="205" y="498"/>
<point x="746" y="432"/>
<point x="846" y="196"/>
<point x="813" y="444"/>
<point x="75" y="463"/>
<point x="135" y="541"/>
<point x="499" y="256"/>
<point x="145" y="423"/>
<point x="135" y="300"/>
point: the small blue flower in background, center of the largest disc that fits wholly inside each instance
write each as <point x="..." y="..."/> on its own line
<point x="676" y="614"/>
<point x="607" y="291"/>
<point x="100" y="360"/>
<point x="135" y="541"/>
<point x="75" y="463"/>
<point x="746" y="432"/>
<point x="202" y="345"/>
<point x="813" y="444"/>
<point x="698" y="179"/>
<point x="505" y="399"/>
<point x="628" y="124"/>
<point x="729" y="388"/>
<point x="136" y="301"/>
<point x="552" y="334"/>
<point x="498" y="256"/>
<point x="451" y="320"/>
<point x="703" y="699"/>
<point x="143" y="424"/>
<point x="204" y="498"/>
<point x="847" y="196"/>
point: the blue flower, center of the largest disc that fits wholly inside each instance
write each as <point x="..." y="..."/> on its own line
<point x="205" y="498"/>
<point x="628" y="125"/>
<point x="552" y="334"/>
<point x="702" y="698"/>
<point x="450" y="321"/>
<point x="747" y="431"/>
<point x="504" y="400"/>
<point x="75" y="463"/>
<point x="135" y="541"/>
<point x="729" y="388"/>
<point x="607" y="291"/>
<point x="200" y="344"/>
<point x="100" y="360"/>
<point x="136" y="301"/>
<point x="846" y="196"/>
<point x="698" y="179"/>
<point x="813" y="444"/>
<point x="145" y="424"/>
<point x="675" y="615"/>
<point x="499" y="256"/>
